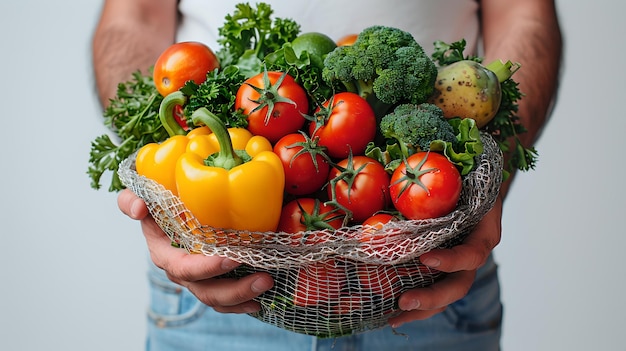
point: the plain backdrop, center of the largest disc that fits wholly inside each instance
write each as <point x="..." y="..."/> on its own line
<point x="72" y="266"/>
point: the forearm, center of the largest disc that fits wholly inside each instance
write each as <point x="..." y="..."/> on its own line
<point x="526" y="32"/>
<point x="129" y="37"/>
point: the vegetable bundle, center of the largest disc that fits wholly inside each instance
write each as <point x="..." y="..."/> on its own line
<point x="331" y="167"/>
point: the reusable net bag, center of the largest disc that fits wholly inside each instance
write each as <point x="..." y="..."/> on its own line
<point x="344" y="284"/>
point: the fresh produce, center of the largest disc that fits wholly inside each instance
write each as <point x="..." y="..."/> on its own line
<point x="345" y="124"/>
<point x="310" y="159"/>
<point x="316" y="45"/>
<point x="426" y="185"/>
<point x="303" y="59"/>
<point x="305" y="163"/>
<point x="504" y="127"/>
<point x="314" y="278"/>
<point x="217" y="94"/>
<point x="304" y="214"/>
<point x="380" y="280"/>
<point x="157" y="160"/>
<point x="385" y="65"/>
<point x="377" y="220"/>
<point x="274" y="103"/>
<point x="360" y="186"/>
<point x="182" y="62"/>
<point x="340" y="119"/>
<point x="462" y="151"/>
<point x="347" y="39"/>
<point x="249" y="34"/>
<point x="467" y="89"/>
<point x="231" y="188"/>
<point x="132" y="116"/>
<point x="373" y="239"/>
<point x="415" y="127"/>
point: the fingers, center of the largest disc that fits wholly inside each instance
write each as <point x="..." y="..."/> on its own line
<point x="425" y="302"/>
<point x="200" y="274"/>
<point x="461" y="262"/>
<point x="232" y="295"/>
<point x="131" y="205"/>
<point x="181" y="266"/>
<point x="474" y="250"/>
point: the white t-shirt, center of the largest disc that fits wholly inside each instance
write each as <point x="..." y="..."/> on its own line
<point x="427" y="20"/>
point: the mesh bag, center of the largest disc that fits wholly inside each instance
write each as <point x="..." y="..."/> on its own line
<point x="345" y="284"/>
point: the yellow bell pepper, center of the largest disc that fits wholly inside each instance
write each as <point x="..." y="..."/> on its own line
<point x="157" y="161"/>
<point x="230" y="179"/>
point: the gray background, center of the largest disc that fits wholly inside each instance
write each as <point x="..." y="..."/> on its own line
<point x="72" y="266"/>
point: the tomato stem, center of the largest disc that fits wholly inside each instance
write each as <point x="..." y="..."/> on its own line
<point x="269" y="96"/>
<point x="412" y="175"/>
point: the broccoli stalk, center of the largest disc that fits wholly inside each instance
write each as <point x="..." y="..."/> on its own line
<point x="385" y="66"/>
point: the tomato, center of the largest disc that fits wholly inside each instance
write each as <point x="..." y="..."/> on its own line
<point x="309" y="214"/>
<point x="182" y="62"/>
<point x="274" y="103"/>
<point x="361" y="185"/>
<point x="347" y="40"/>
<point x="429" y="187"/>
<point x="373" y="239"/>
<point x="380" y="280"/>
<point x="318" y="283"/>
<point x="305" y="164"/>
<point x="377" y="220"/>
<point x="345" y="123"/>
<point x="351" y="304"/>
<point x="179" y="117"/>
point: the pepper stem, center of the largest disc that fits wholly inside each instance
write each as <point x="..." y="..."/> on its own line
<point x="503" y="70"/>
<point x="166" y="113"/>
<point x="226" y="158"/>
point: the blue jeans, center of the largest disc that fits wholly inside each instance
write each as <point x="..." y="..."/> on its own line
<point x="179" y="322"/>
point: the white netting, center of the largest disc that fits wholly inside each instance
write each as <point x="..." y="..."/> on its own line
<point x="344" y="284"/>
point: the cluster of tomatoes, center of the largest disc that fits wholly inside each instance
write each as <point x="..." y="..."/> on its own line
<point x="329" y="181"/>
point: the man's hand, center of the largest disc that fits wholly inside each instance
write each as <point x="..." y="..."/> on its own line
<point x="461" y="262"/>
<point x="196" y="272"/>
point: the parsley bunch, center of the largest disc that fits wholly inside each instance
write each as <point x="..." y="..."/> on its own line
<point x="133" y="117"/>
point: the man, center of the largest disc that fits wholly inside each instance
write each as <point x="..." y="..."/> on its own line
<point x="132" y="33"/>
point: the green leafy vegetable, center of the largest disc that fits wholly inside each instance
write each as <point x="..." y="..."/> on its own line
<point x="217" y="94"/>
<point x="467" y="146"/>
<point x="133" y="118"/>
<point x="249" y="34"/>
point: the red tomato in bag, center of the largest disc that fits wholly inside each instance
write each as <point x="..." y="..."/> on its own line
<point x="431" y="189"/>
<point x="319" y="283"/>
<point x="276" y="109"/>
<point x="345" y="124"/>
<point x="182" y="62"/>
<point x="306" y="168"/>
<point x="362" y="187"/>
<point x="309" y="215"/>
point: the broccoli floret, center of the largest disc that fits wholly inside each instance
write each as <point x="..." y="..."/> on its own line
<point x="414" y="127"/>
<point x="385" y="65"/>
